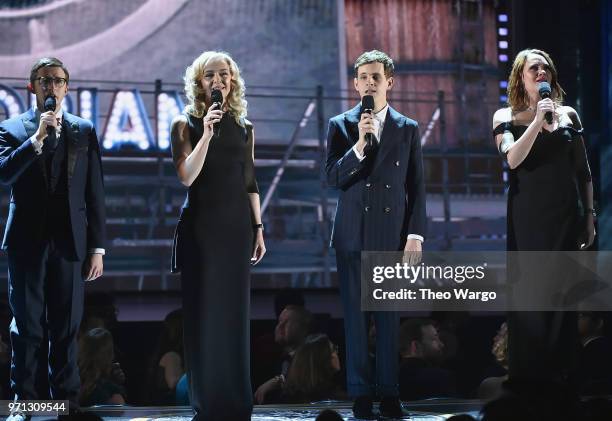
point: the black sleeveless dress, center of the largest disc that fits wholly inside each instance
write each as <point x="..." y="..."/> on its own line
<point x="213" y="246"/>
<point x="543" y="215"/>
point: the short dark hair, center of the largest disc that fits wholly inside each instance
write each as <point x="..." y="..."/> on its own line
<point x="412" y="330"/>
<point x="375" y="56"/>
<point x="48" y="62"/>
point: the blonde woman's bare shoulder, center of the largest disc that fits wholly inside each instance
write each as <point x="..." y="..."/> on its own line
<point x="179" y="120"/>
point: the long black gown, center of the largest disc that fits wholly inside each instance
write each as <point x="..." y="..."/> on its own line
<point x="213" y="246"/>
<point x="543" y="215"/>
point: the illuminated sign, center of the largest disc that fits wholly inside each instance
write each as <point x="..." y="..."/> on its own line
<point x="128" y="123"/>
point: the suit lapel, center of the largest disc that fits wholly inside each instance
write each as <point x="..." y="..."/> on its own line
<point x="351" y="118"/>
<point x="30" y="124"/>
<point x="70" y="130"/>
<point x="390" y="136"/>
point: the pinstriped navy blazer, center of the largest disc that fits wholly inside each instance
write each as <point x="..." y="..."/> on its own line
<point x="382" y="198"/>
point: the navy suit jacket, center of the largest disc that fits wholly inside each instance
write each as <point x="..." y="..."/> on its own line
<point x="382" y="200"/>
<point x="24" y="171"/>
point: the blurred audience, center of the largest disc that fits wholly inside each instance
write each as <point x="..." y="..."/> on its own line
<point x="166" y="367"/>
<point x="421" y="351"/>
<point x="491" y="387"/>
<point x="291" y="330"/>
<point x="595" y="357"/>
<point x="313" y="372"/>
<point x="98" y="386"/>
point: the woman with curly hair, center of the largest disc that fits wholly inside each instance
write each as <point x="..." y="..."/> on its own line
<point x="218" y="237"/>
<point x="311" y="376"/>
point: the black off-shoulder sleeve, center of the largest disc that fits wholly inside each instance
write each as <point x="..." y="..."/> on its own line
<point x="501" y="128"/>
<point x="249" y="165"/>
<point x="581" y="161"/>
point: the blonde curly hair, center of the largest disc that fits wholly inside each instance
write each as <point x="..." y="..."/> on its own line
<point x="236" y="104"/>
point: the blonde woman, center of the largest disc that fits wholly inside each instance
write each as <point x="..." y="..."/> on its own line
<point x="218" y="237"/>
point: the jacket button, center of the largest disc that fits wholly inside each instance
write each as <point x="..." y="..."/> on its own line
<point x="397" y="163"/>
<point x="387" y="186"/>
<point x="368" y="184"/>
<point x="367" y="208"/>
<point x="387" y="209"/>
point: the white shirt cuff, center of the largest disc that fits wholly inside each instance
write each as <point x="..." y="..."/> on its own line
<point x="97" y="251"/>
<point x="36" y="145"/>
<point x="416" y="237"/>
<point x="360" y="157"/>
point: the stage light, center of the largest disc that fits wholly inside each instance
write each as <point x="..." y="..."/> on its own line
<point x="10" y="101"/>
<point x="169" y="105"/>
<point x="503" y="45"/>
<point x="503" y="58"/>
<point x="502" y="31"/>
<point x="502" y="18"/>
<point x="128" y="123"/>
<point x="503" y="84"/>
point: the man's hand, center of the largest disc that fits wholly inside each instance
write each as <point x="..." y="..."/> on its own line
<point x="47" y="119"/>
<point x="93" y="267"/>
<point x="274" y="383"/>
<point x="413" y="252"/>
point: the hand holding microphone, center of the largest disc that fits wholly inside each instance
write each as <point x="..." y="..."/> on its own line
<point x="48" y="121"/>
<point x="546" y="105"/>
<point x="217" y="98"/>
<point x="366" y="123"/>
<point x="213" y="116"/>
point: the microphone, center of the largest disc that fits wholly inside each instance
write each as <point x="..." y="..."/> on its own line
<point x="50" y="105"/>
<point x="545" y="91"/>
<point x="367" y="106"/>
<point x="216" y="97"/>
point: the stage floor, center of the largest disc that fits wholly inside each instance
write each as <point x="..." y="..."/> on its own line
<point x="434" y="410"/>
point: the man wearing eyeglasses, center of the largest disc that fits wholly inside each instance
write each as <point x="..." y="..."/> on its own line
<point x="54" y="235"/>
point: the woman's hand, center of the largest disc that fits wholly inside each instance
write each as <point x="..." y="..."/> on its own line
<point x="544" y="106"/>
<point x="588" y="233"/>
<point x="259" y="248"/>
<point x="213" y="116"/>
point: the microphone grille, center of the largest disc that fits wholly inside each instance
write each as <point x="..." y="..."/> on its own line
<point x="367" y="102"/>
<point x="544" y="89"/>
<point x="50" y="103"/>
<point x="216" y="96"/>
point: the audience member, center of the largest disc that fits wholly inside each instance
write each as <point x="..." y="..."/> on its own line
<point x="266" y="354"/>
<point x="291" y="330"/>
<point x="95" y="366"/>
<point x="167" y="367"/>
<point x="491" y="387"/>
<point x="595" y="361"/>
<point x="312" y="373"/>
<point x="421" y="377"/>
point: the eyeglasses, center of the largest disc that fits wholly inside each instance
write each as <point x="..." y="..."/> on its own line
<point x="334" y="348"/>
<point x="57" y="81"/>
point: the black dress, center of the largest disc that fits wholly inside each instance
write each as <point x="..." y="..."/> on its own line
<point x="543" y="215"/>
<point x="543" y="197"/>
<point x="213" y="246"/>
